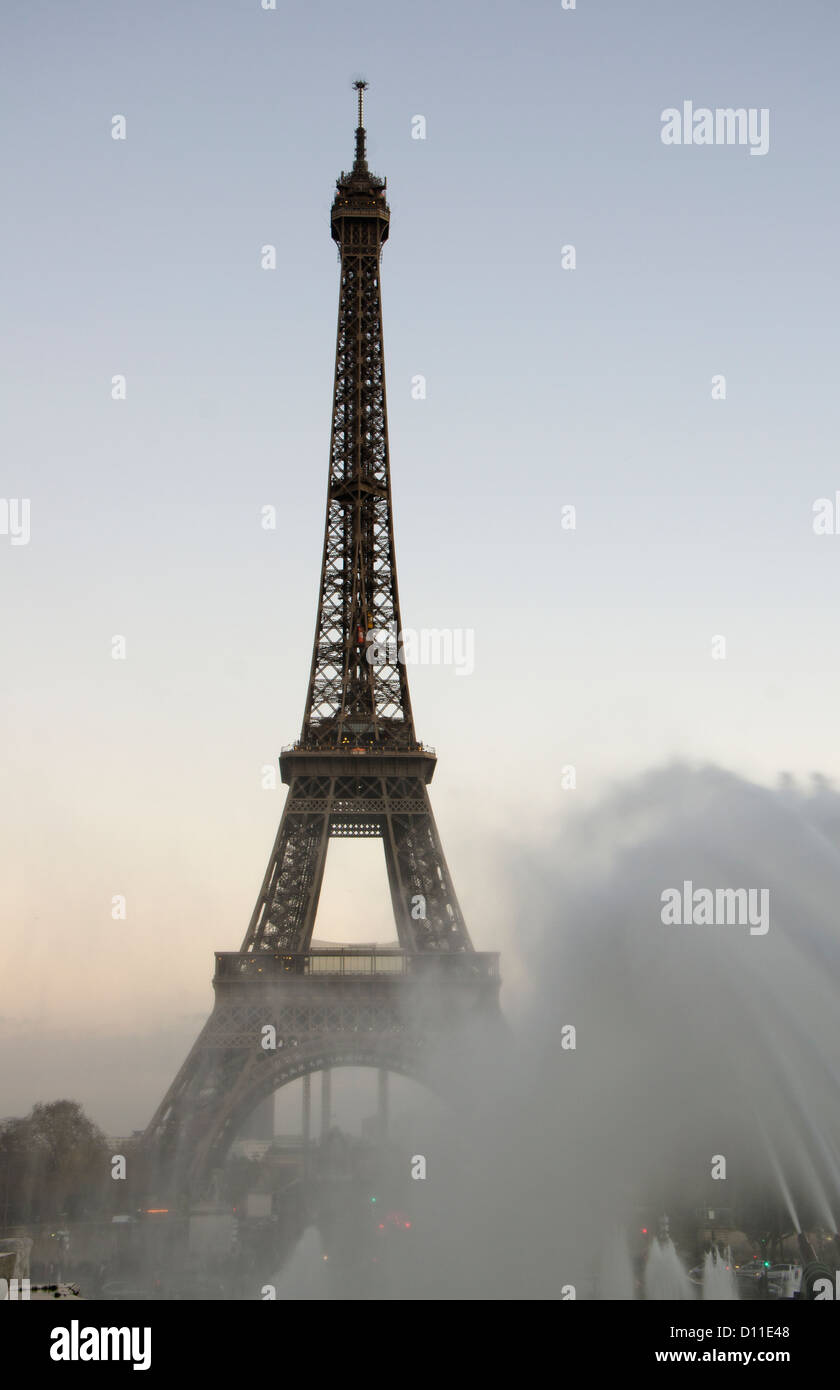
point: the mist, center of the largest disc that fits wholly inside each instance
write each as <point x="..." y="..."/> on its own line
<point x="692" y="1042"/>
<point x="643" y="1067"/>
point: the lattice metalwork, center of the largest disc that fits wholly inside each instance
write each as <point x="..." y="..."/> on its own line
<point x="395" y="809"/>
<point x="399" y="1024"/>
<point x="358" y="690"/>
<point x="358" y="701"/>
<point x="357" y="771"/>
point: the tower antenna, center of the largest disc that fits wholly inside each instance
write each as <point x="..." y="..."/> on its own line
<point x="361" y="161"/>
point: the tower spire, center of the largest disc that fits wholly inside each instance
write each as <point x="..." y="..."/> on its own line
<point x="360" y="164"/>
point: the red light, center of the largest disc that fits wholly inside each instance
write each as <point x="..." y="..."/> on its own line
<point x="382" y="1225"/>
<point x="644" y="1230"/>
<point x="408" y="1225"/>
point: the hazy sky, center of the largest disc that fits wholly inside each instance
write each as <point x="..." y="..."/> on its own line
<point x="546" y="387"/>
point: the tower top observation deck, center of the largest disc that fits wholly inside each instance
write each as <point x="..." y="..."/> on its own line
<point x="359" y="194"/>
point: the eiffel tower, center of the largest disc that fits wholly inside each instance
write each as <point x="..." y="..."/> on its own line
<point x="283" y="1007"/>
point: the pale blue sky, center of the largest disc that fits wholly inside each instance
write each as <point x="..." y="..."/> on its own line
<point x="545" y="387"/>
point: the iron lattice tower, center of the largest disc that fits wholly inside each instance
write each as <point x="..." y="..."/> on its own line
<point x="357" y="770"/>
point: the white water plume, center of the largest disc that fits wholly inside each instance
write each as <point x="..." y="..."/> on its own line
<point x="683" y="1034"/>
<point x="719" y="1278"/>
<point x="665" y="1277"/>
